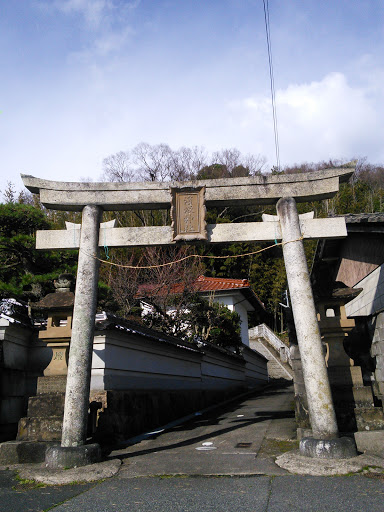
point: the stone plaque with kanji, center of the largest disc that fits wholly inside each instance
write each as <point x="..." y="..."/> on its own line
<point x="188" y="213"/>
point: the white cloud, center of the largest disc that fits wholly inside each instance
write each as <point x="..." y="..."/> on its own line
<point x="107" y="23"/>
<point x="94" y="11"/>
<point x="318" y="120"/>
<point x="104" y="45"/>
<point x="97" y="14"/>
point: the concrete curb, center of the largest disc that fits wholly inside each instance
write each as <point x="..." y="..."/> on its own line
<point x="90" y="473"/>
<point x="300" y="465"/>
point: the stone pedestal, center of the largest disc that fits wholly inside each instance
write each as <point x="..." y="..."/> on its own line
<point x="45" y="415"/>
<point x="354" y="402"/>
<point x="41" y="428"/>
<point x="59" y="361"/>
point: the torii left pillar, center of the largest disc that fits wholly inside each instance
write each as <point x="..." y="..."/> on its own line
<point x="73" y="450"/>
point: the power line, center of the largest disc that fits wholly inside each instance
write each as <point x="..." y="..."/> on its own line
<point x="272" y="81"/>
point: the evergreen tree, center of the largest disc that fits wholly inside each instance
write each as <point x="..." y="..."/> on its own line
<point x="26" y="273"/>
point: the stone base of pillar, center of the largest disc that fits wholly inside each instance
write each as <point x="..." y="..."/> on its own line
<point x="24" y="452"/>
<point x="72" y="456"/>
<point x="339" y="448"/>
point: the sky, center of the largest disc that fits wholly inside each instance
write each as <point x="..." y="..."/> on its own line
<point x="84" y="79"/>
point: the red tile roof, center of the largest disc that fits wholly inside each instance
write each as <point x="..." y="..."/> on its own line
<point x="202" y="284"/>
<point x="208" y="284"/>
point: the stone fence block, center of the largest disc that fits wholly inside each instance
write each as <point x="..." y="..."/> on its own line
<point x="378" y="335"/>
<point x="380" y="361"/>
<point x="295" y="352"/>
<point x="379" y="374"/>
<point x="377" y="349"/>
<point x="380" y="320"/>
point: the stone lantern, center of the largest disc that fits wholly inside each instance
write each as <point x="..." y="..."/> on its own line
<point x="59" y="308"/>
<point x="335" y="326"/>
<point x="354" y="403"/>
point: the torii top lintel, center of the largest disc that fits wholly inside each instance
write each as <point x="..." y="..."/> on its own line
<point x="262" y="189"/>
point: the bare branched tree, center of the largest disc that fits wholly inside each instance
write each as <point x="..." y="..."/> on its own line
<point x="124" y="282"/>
<point x="119" y="167"/>
<point x="154" y="163"/>
<point x="168" y="289"/>
<point x="230" y="158"/>
<point x="189" y="161"/>
<point x="159" y="162"/>
<point x="9" y="193"/>
<point x="256" y="164"/>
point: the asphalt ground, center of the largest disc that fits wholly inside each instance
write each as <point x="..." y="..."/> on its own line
<point x="221" y="461"/>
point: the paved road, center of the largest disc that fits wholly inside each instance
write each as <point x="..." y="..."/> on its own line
<point x="233" y="441"/>
<point x="176" y="471"/>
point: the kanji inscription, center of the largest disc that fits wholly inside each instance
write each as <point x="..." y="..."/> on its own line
<point x="188" y="214"/>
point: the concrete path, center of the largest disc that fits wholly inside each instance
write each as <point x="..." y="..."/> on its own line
<point x="223" y="461"/>
<point x="241" y="440"/>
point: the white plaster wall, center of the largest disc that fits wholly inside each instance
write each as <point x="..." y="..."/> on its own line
<point x="123" y="361"/>
<point x="227" y="300"/>
<point x="240" y="309"/>
<point x="129" y="361"/>
<point x="256" y="369"/>
<point x="220" y="371"/>
<point x="371" y="299"/>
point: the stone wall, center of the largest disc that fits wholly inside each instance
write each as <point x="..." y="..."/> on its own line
<point x="376" y="325"/>
<point x="17" y="378"/>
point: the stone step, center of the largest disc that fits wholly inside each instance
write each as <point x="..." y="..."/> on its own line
<point x="46" y="405"/>
<point x="277" y="369"/>
<point x="40" y="429"/>
<point x="345" y="376"/>
<point x="51" y="384"/>
<point x="370" y="418"/>
<point x="360" y="397"/>
<point x="371" y="442"/>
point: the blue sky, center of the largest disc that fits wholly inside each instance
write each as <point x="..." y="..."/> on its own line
<point x="83" y="79"/>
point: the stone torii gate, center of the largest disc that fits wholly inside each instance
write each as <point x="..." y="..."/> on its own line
<point x="188" y="202"/>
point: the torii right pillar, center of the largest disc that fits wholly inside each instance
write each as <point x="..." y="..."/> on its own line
<point x="326" y="442"/>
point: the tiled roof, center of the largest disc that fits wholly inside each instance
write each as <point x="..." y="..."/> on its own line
<point x="352" y="218"/>
<point x="202" y="284"/>
<point x="208" y="284"/>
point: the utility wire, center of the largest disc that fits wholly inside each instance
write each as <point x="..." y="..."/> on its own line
<point x="272" y="81"/>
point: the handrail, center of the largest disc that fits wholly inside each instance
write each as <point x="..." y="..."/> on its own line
<point x="263" y="331"/>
